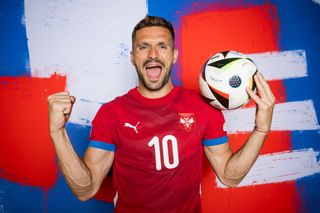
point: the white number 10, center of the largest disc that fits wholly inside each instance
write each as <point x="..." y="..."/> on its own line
<point x="155" y="141"/>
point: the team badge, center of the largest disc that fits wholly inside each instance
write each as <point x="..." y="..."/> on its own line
<point x="187" y="121"/>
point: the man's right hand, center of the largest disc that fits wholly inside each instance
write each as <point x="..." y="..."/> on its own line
<point x="60" y="107"/>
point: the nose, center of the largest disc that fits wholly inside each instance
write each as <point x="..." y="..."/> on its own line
<point x="153" y="52"/>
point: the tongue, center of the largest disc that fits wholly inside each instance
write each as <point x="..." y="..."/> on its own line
<point x="153" y="72"/>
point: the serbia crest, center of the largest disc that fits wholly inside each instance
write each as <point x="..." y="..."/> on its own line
<point x="187" y="121"/>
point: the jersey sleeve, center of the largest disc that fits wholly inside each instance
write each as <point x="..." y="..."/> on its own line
<point x="215" y="134"/>
<point x="101" y="132"/>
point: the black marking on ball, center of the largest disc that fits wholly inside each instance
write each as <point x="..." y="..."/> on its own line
<point x="221" y="63"/>
<point x="225" y="53"/>
<point x="254" y="82"/>
<point x="222" y="100"/>
<point x="235" y="81"/>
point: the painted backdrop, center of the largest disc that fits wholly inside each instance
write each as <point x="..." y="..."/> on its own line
<point x="83" y="46"/>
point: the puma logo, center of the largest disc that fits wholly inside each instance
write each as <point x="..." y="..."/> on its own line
<point x="131" y="126"/>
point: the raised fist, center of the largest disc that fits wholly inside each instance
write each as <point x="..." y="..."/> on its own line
<point x="60" y="107"/>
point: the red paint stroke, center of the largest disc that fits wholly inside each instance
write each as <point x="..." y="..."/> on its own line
<point x="251" y="29"/>
<point x="277" y="141"/>
<point x="266" y="198"/>
<point x="247" y="30"/>
<point x="27" y="155"/>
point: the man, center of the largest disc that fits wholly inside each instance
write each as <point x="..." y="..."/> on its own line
<point x="155" y="134"/>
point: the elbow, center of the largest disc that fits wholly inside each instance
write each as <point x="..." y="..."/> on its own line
<point x="232" y="178"/>
<point x="83" y="198"/>
<point x="83" y="192"/>
<point x="84" y="195"/>
<point x="231" y="181"/>
<point x="232" y="184"/>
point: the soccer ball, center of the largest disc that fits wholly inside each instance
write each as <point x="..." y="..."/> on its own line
<point x="224" y="79"/>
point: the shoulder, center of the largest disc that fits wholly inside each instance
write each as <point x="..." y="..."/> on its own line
<point x="115" y="103"/>
<point x="120" y="99"/>
<point x="198" y="101"/>
<point x="194" y="97"/>
<point x="189" y="94"/>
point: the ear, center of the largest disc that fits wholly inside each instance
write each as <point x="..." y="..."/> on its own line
<point x="175" y="55"/>
<point x="132" y="57"/>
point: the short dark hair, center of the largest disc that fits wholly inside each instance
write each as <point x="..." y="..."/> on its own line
<point x="151" y="21"/>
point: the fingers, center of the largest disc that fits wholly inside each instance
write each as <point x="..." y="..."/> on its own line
<point x="61" y="101"/>
<point x="59" y="107"/>
<point x="62" y="96"/>
<point x="265" y="99"/>
<point x="254" y="96"/>
<point x="265" y="102"/>
<point x="263" y="88"/>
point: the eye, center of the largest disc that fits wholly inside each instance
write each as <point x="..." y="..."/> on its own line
<point x="142" y="47"/>
<point x="163" y="46"/>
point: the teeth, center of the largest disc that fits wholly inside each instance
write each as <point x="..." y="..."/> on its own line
<point x="153" y="67"/>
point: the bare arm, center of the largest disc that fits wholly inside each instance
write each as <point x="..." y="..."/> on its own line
<point x="84" y="176"/>
<point x="230" y="167"/>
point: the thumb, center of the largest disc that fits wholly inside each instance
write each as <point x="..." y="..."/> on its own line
<point x="73" y="99"/>
<point x="69" y="110"/>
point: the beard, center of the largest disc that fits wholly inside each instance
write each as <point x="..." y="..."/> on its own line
<point x="153" y="86"/>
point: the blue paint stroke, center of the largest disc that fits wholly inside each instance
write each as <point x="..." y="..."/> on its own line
<point x="14" y="54"/>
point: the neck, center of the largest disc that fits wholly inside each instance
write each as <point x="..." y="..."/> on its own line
<point x="153" y="94"/>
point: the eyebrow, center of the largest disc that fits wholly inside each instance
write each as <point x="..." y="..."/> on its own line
<point x="159" y="43"/>
<point x="143" y="43"/>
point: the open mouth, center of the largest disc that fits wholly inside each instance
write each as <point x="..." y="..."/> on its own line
<point x="153" y="70"/>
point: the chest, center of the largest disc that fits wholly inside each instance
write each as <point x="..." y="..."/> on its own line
<point x="162" y="138"/>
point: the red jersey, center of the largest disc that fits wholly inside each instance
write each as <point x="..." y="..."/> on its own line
<point x="158" y="148"/>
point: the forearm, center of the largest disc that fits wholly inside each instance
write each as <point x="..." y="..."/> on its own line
<point x="239" y="164"/>
<point x="230" y="167"/>
<point x="73" y="168"/>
